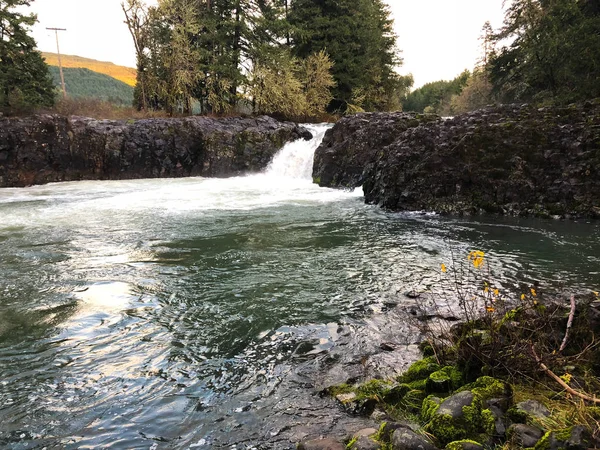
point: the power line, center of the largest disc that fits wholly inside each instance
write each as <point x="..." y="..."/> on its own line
<point x="60" y="69"/>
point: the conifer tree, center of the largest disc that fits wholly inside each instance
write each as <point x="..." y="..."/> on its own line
<point x="554" y="55"/>
<point x="24" y="79"/>
<point x="358" y="36"/>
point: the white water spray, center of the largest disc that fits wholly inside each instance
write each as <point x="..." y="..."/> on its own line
<point x="295" y="160"/>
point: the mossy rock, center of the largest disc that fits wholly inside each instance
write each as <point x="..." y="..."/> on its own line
<point x="573" y="438"/>
<point x="461" y="416"/>
<point x="444" y="380"/>
<point x="419" y="370"/>
<point x="488" y="387"/>
<point x="465" y="444"/>
<point x="429" y="406"/>
<point x="374" y="389"/>
<point x="527" y="412"/>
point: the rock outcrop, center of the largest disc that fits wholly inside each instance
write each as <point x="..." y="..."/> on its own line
<point x="355" y="141"/>
<point x="512" y="159"/>
<point x="49" y="148"/>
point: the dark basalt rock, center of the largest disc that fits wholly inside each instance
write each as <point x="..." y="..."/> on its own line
<point x="406" y="439"/>
<point x="355" y="141"/>
<point x="524" y="436"/>
<point x="533" y="408"/>
<point x="511" y="159"/>
<point x="365" y="443"/>
<point x="49" y="148"/>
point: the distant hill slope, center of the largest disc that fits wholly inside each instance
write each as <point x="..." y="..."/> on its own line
<point x="84" y="83"/>
<point x="125" y="74"/>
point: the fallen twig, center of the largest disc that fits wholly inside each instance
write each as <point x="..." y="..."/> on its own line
<point x="560" y="381"/>
<point x="569" y="324"/>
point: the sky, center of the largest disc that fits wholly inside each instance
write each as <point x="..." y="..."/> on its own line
<point x="438" y="38"/>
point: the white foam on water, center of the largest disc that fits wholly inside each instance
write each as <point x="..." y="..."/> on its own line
<point x="287" y="180"/>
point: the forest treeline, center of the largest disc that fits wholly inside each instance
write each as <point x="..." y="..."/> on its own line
<point x="290" y="58"/>
<point x="85" y="83"/>
<point x="546" y="52"/>
<point x="298" y="59"/>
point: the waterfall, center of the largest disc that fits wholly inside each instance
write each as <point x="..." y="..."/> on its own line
<point x="295" y="160"/>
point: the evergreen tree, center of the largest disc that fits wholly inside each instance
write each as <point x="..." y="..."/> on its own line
<point x="24" y="79"/>
<point x="554" y="55"/>
<point x="358" y="36"/>
<point x="436" y="96"/>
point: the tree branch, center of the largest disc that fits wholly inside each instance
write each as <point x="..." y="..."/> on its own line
<point x="560" y="381"/>
<point x="569" y="324"/>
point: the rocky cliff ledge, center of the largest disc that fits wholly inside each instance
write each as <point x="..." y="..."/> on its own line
<point x="511" y="159"/>
<point x="48" y="148"/>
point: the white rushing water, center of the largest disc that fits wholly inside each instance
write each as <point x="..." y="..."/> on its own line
<point x="287" y="180"/>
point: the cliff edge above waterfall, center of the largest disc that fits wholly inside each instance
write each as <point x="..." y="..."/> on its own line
<point x="49" y="148"/>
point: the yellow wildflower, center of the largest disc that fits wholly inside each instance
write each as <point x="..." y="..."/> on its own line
<point x="533" y="292"/>
<point x="490" y="309"/>
<point x="444" y="269"/>
<point x="567" y="378"/>
<point x="496" y="292"/>
<point x="486" y="290"/>
<point x="477" y="257"/>
<point x="522" y="297"/>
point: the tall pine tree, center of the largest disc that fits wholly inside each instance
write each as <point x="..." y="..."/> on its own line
<point x="359" y="37"/>
<point x="24" y="79"/>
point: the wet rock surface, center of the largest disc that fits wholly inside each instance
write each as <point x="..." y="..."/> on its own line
<point x="49" y="148"/>
<point x="511" y="159"/>
<point x="355" y="141"/>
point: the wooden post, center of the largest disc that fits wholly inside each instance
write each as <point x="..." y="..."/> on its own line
<point x="60" y="69"/>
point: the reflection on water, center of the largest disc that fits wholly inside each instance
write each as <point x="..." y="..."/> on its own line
<point x="180" y="313"/>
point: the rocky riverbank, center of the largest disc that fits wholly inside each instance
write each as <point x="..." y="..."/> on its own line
<point x="512" y="159"/>
<point x="485" y="384"/>
<point x="49" y="148"/>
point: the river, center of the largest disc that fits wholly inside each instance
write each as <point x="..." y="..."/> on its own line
<point x="196" y="313"/>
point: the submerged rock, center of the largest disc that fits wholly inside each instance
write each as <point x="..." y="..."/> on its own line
<point x="512" y="159"/>
<point x="49" y="148"/>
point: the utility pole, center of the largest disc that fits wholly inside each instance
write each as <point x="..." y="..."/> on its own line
<point x="60" y="69"/>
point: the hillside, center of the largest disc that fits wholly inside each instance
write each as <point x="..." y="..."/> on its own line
<point x="125" y="74"/>
<point x="84" y="83"/>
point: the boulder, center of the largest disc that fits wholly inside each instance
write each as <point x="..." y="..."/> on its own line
<point x="365" y="443"/>
<point x="509" y="159"/>
<point x="460" y="416"/>
<point x="533" y="408"/>
<point x="524" y="436"/>
<point x="355" y="141"/>
<point x="406" y="439"/>
<point x="49" y="148"/>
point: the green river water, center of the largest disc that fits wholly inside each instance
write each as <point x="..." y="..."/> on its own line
<point x="184" y="313"/>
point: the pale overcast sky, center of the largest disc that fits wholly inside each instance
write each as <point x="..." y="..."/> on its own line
<point x="438" y="37"/>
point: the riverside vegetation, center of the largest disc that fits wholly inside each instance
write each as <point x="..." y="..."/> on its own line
<point x="518" y="371"/>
